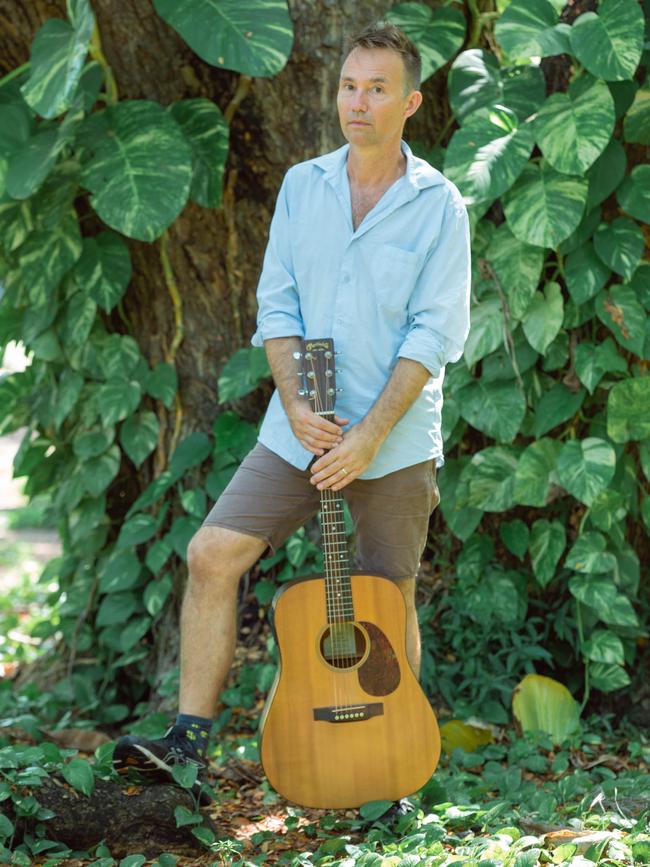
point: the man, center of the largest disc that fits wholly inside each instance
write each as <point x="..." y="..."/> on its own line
<point x="368" y="245"/>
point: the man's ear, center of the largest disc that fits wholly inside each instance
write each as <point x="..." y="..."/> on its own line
<point x="414" y="102"/>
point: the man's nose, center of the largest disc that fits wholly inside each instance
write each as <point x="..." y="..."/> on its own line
<point x="359" y="101"/>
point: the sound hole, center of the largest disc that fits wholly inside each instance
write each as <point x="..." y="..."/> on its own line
<point x="343" y="645"/>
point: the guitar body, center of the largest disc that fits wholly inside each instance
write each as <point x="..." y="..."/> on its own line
<point x="345" y="722"/>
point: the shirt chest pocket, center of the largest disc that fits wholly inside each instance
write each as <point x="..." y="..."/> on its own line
<point x="393" y="273"/>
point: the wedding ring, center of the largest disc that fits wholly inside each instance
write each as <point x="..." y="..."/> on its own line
<point x="344" y="471"/>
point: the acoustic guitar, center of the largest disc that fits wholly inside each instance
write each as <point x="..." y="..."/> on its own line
<point x="346" y="720"/>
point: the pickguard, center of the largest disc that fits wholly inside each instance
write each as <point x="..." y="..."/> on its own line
<point x="380" y="674"/>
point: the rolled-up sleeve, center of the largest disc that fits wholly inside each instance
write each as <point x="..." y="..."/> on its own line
<point x="278" y="312"/>
<point x="438" y="308"/>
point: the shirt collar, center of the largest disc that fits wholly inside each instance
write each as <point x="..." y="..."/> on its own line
<point x="418" y="171"/>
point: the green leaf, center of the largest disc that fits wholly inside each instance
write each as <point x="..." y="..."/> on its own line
<point x="555" y="406"/>
<point x="547" y="543"/>
<point x="372" y="810"/>
<point x="104" y="269"/>
<point x="488" y="153"/>
<point x="529" y="28"/>
<point x="184" y="816"/>
<point x="194" y="501"/>
<point x="634" y="193"/>
<point x="156" y="593"/>
<point x="79" y="774"/>
<point x="58" y="53"/>
<point x="191" y="451"/>
<point x="606" y="173"/>
<point x="206" y="131"/>
<point x="536" y="471"/>
<point x="133" y="631"/>
<point x="585" y="273"/>
<point x="121" y="572"/>
<point x="249" y="36"/>
<point x="636" y="126"/>
<point x="596" y="591"/>
<point x="233" y="436"/>
<point x="181" y="533"/>
<point x="593" y="362"/>
<point x="162" y="383"/>
<point x="438" y="33"/>
<point x="607" y="678"/>
<point x="588" y="554"/>
<point x="185" y="775"/>
<point x="99" y="472"/>
<point x="620" y="613"/>
<point x="586" y="228"/>
<point x="461" y="520"/>
<point x="620" y="245"/>
<point x="586" y="467"/>
<point x="68" y="391"/>
<point x="117" y="399"/>
<point x="628" y="410"/>
<point x="477" y="81"/>
<point x="93" y="442"/>
<point x="607" y="509"/>
<point x="78" y="320"/>
<point x="542" y="704"/>
<point x="117" y="356"/>
<point x="515" y="535"/>
<point x="573" y="129"/>
<point x="619" y="310"/>
<point x="604" y="646"/>
<point x="138" y="166"/>
<point x="518" y="267"/>
<point x="136" y="530"/>
<point x="609" y="44"/>
<point x="6" y="827"/>
<point x="486" y="329"/>
<point x="139" y="435"/>
<point x="242" y="373"/>
<point x="132" y="861"/>
<point x="28" y="167"/>
<point x="116" y="608"/>
<point x="495" y="408"/>
<point x="544" y="207"/>
<point x="490" y="477"/>
<point x="543" y="318"/>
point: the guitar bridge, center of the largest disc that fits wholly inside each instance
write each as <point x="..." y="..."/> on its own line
<point x="349" y="713"/>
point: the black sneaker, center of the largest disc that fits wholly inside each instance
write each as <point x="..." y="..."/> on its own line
<point x="152" y="761"/>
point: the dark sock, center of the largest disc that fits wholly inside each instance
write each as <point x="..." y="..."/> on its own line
<point x="195" y="729"/>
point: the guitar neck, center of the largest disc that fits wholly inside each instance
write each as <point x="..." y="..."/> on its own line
<point x="336" y="558"/>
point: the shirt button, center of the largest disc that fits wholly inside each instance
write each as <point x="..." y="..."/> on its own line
<point x="339" y="321"/>
<point x="346" y="278"/>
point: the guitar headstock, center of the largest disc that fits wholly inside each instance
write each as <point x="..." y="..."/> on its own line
<point x="318" y="374"/>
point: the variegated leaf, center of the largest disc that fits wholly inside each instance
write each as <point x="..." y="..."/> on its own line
<point x="249" y="36"/>
<point x="438" y="33"/>
<point x="138" y="165"/>
<point x="104" y="269"/>
<point x="206" y="131"/>
<point x="58" y="53"/>
<point x="488" y="153"/>
<point x="609" y="43"/>
<point x="530" y="28"/>
<point x="574" y="128"/>
<point x="544" y="206"/>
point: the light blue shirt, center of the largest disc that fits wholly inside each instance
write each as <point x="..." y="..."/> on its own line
<point x="397" y="287"/>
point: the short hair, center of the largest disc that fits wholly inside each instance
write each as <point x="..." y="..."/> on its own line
<point x="385" y="34"/>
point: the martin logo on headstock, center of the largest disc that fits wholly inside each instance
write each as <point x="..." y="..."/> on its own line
<point x="318" y="374"/>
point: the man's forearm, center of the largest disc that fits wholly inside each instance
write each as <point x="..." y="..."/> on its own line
<point x="400" y="392"/>
<point x="279" y="351"/>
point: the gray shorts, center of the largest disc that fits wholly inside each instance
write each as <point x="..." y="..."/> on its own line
<point x="270" y="499"/>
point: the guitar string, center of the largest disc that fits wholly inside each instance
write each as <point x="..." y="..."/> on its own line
<point x="341" y="628"/>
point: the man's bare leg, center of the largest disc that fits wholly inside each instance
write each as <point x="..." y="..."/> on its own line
<point x="216" y="559"/>
<point x="413" y="647"/>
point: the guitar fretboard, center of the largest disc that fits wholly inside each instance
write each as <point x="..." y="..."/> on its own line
<point x="336" y="558"/>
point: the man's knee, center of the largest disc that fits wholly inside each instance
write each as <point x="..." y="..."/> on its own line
<point x="217" y="555"/>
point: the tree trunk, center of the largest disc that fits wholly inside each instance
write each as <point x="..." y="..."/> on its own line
<point x="215" y="255"/>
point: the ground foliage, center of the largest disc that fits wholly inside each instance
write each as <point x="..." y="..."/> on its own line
<point x="545" y="491"/>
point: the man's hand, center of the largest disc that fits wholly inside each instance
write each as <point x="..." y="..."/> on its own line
<point x="315" y="433"/>
<point x="346" y="461"/>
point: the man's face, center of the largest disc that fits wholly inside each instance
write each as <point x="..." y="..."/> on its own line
<point x="371" y="101"/>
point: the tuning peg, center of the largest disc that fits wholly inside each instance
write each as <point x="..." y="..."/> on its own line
<point x="330" y="391"/>
<point x="329" y="373"/>
<point x="302" y="392"/>
<point x="310" y="374"/>
<point x="297" y="355"/>
<point x="339" y="390"/>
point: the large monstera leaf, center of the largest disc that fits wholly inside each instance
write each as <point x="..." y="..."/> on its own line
<point x="138" y="165"/>
<point x="488" y="153"/>
<point x="249" y="36"/>
<point x="58" y="54"/>
<point x="438" y="33"/>
<point x="544" y="206"/>
<point x="609" y="43"/>
<point x="477" y="81"/>
<point x="574" y="128"/>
